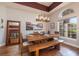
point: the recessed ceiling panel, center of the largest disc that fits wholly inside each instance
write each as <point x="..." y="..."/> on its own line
<point x="45" y="3"/>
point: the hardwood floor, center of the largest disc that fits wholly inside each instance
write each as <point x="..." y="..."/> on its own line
<point x="65" y="50"/>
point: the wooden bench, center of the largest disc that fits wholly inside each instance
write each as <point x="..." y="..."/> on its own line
<point x="41" y="42"/>
<point x="37" y="47"/>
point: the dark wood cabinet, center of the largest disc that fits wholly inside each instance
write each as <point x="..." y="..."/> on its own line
<point x="13" y="32"/>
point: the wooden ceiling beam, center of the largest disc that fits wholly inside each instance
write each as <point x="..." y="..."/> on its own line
<point x="53" y="5"/>
<point x="40" y="6"/>
<point x="34" y="5"/>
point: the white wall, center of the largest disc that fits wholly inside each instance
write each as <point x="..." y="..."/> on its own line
<point x="19" y="15"/>
<point x="2" y="30"/>
<point x="8" y="13"/>
<point x="55" y="16"/>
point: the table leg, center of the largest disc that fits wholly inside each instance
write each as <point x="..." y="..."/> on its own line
<point x="37" y="52"/>
<point x="57" y="46"/>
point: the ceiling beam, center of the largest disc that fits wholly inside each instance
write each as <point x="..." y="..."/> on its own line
<point x="53" y="5"/>
<point x="34" y="5"/>
<point x="40" y="6"/>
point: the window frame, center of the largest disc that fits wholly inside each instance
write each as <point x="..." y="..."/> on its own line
<point x="66" y="35"/>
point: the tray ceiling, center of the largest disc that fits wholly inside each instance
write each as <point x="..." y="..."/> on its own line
<point x="45" y="6"/>
<point x="45" y="3"/>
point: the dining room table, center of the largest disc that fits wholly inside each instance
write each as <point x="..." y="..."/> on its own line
<point x="37" y="47"/>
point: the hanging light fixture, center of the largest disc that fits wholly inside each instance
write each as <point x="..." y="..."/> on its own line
<point x="42" y="18"/>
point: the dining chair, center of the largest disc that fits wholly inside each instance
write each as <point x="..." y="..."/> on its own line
<point x="23" y="46"/>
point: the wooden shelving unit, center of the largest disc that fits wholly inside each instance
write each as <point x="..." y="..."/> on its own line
<point x="13" y="32"/>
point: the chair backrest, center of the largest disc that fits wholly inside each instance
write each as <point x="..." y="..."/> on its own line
<point x="57" y="34"/>
<point x="21" y="44"/>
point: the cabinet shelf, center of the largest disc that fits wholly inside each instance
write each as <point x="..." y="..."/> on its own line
<point x="13" y="32"/>
<point x="13" y="28"/>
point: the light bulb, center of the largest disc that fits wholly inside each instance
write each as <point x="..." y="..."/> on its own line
<point x="48" y="19"/>
<point x="41" y="17"/>
<point x="36" y="17"/>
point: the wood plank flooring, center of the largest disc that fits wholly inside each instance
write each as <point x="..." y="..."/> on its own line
<point x="65" y="50"/>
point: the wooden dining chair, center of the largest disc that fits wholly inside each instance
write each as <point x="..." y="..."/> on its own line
<point x="23" y="46"/>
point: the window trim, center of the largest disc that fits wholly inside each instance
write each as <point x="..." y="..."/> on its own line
<point x="76" y="29"/>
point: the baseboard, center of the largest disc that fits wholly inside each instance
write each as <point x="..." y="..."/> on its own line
<point x="71" y="44"/>
<point x="2" y="44"/>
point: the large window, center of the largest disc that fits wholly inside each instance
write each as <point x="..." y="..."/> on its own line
<point x="68" y="27"/>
